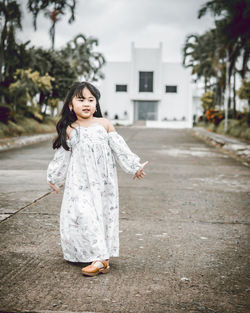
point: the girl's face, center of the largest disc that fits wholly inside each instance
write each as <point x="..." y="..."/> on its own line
<point x="84" y="107"/>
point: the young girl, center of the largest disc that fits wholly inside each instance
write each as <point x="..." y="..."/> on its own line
<point x="87" y="147"/>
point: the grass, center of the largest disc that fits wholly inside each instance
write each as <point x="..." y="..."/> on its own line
<point x="236" y="129"/>
<point x="27" y="126"/>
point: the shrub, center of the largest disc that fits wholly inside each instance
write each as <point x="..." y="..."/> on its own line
<point x="50" y="120"/>
<point x="244" y="91"/>
<point x="6" y="113"/>
<point x="243" y="117"/>
<point x="33" y="113"/>
<point x="214" y="116"/>
<point x="13" y="129"/>
<point x="26" y="126"/>
<point x="3" y="129"/>
<point x="207" y="100"/>
<point x="245" y="134"/>
<point x="235" y="128"/>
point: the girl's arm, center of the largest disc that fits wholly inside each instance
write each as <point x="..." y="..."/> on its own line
<point x="57" y="168"/>
<point x="128" y="161"/>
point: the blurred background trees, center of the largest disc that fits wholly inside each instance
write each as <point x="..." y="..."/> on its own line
<point x="219" y="59"/>
<point x="220" y="56"/>
<point x="35" y="80"/>
<point x="80" y="55"/>
<point x="52" y="9"/>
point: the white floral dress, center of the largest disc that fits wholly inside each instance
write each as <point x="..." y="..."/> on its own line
<point x="89" y="216"/>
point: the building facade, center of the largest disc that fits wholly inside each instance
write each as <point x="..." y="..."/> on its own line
<point x="147" y="89"/>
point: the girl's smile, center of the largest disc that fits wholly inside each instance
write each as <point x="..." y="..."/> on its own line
<point x="85" y="106"/>
<point x="86" y="111"/>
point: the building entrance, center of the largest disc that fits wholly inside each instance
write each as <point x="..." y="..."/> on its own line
<point x="145" y="110"/>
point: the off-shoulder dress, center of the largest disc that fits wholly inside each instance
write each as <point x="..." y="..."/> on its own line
<point x="89" y="216"/>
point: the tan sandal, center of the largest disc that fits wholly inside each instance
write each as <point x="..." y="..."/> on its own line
<point x="92" y="270"/>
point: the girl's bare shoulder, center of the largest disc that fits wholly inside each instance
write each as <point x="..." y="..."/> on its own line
<point x="106" y="123"/>
<point x="69" y="130"/>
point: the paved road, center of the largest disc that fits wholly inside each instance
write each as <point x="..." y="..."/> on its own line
<point x="184" y="234"/>
<point x="22" y="177"/>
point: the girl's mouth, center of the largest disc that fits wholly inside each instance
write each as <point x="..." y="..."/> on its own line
<point x="86" y="110"/>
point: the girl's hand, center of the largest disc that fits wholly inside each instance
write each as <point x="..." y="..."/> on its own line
<point x="139" y="174"/>
<point x="54" y="187"/>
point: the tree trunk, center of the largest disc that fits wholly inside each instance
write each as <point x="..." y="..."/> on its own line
<point x="44" y="112"/>
<point x="234" y="95"/>
<point x="229" y="91"/>
<point x="244" y="62"/>
<point x="41" y="101"/>
<point x="52" y="34"/>
<point x="226" y="91"/>
<point x="205" y="87"/>
<point x="2" y="48"/>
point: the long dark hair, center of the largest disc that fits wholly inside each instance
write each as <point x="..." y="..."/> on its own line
<point x="68" y="117"/>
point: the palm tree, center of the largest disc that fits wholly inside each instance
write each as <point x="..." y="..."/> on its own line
<point x="10" y="13"/>
<point x="52" y="9"/>
<point x="234" y="32"/>
<point x="201" y="54"/>
<point x="86" y="63"/>
<point x="51" y="62"/>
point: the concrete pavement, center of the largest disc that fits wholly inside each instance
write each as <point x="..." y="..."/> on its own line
<point x="23" y="177"/>
<point x="184" y="234"/>
<point x="240" y="149"/>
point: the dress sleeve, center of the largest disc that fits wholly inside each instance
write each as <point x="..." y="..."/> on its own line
<point x="57" y="169"/>
<point x="128" y="161"/>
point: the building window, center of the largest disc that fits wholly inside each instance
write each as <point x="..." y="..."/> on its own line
<point x="121" y="88"/>
<point x="172" y="89"/>
<point x="145" y="81"/>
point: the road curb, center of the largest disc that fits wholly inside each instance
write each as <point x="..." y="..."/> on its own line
<point x="233" y="146"/>
<point x="21" y="141"/>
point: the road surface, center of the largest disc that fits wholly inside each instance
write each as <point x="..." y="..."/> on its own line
<point x="184" y="233"/>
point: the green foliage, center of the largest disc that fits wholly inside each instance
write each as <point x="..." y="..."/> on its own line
<point x="235" y="129"/>
<point x="199" y="53"/>
<point x="52" y="9"/>
<point x="238" y="128"/>
<point x="214" y="116"/>
<point x="6" y="113"/>
<point x="52" y="62"/>
<point x="33" y="78"/>
<point x="49" y="120"/>
<point x="10" y="129"/>
<point x="244" y="91"/>
<point x="26" y="86"/>
<point x="213" y="55"/>
<point x="10" y="16"/>
<point x="53" y="103"/>
<point x="31" y="82"/>
<point x="85" y="62"/>
<point x="207" y="100"/>
<point x="33" y="113"/>
<point x="26" y="126"/>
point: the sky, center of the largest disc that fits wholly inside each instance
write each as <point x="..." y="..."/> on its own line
<point x="117" y="23"/>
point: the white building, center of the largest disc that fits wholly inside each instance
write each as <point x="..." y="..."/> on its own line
<point x="147" y="89"/>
